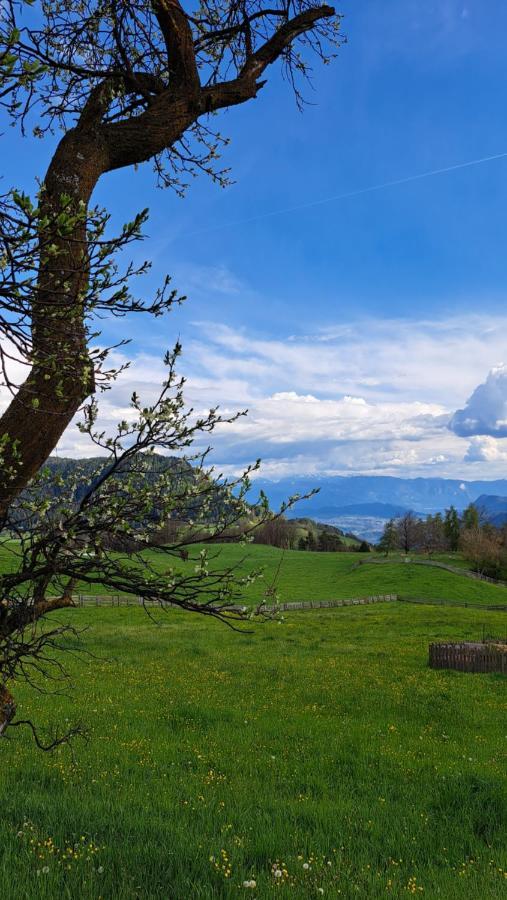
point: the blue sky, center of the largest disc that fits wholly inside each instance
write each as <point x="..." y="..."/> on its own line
<point x="352" y="329"/>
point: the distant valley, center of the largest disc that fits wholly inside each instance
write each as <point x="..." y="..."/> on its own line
<point x="358" y="504"/>
<point x="362" y="504"/>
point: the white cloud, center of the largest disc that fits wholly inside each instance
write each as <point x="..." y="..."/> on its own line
<point x="485" y="449"/>
<point x="485" y="411"/>
<point x="288" y="417"/>
<point x="440" y="361"/>
<point x="367" y="396"/>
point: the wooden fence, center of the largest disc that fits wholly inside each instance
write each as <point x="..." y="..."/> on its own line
<point x="106" y="600"/>
<point x="327" y="604"/>
<point x="129" y="600"/>
<point x="469" y="657"/>
<point x="464" y="604"/>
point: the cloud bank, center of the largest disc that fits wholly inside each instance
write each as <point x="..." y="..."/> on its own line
<point x="372" y="396"/>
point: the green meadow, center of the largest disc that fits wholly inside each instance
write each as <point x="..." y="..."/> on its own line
<point x="301" y="575"/>
<point x="316" y="756"/>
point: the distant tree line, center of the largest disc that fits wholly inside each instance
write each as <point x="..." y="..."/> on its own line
<point x="482" y="544"/>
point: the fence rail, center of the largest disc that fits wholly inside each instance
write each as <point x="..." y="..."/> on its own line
<point x="468" y="657"/>
<point x="327" y="604"/>
<point x="130" y="600"/>
<point x="464" y="604"/>
<point x="106" y="600"/>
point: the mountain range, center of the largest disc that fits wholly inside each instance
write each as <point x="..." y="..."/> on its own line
<point x="362" y="504"/>
<point x="359" y="503"/>
<point x="377" y="494"/>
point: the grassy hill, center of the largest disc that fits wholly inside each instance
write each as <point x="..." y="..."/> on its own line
<point x="324" y="576"/>
<point x="301" y="575"/>
<point x="322" y="748"/>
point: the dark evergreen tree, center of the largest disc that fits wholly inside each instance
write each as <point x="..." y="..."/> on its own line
<point x="471" y="518"/>
<point x="452" y="528"/>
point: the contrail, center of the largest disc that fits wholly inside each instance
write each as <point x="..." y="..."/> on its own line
<point x="347" y="195"/>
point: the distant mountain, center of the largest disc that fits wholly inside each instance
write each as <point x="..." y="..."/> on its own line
<point x="425" y="495"/>
<point x="89" y="469"/>
<point x="339" y="495"/>
<point x="493" y="508"/>
<point x="357" y="503"/>
<point x="86" y="472"/>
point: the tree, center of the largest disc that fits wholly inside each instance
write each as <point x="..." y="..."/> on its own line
<point x="483" y="549"/>
<point x="329" y="542"/>
<point x="471" y="518"/>
<point x="73" y="536"/>
<point x="364" y="547"/>
<point x="431" y="535"/>
<point x="127" y="83"/>
<point x="390" y="538"/>
<point x="452" y="528"/>
<point x="408" y="532"/>
<point x="312" y="544"/>
<point x="276" y="532"/>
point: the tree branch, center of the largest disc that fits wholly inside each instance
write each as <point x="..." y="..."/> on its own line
<point x="282" y="38"/>
<point x="179" y="44"/>
<point x="62" y="375"/>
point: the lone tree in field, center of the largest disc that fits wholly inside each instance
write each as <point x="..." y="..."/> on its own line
<point x="124" y="83"/>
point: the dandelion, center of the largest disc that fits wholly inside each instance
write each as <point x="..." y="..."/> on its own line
<point x="45" y="870"/>
<point x="250" y="884"/>
<point x="306" y="865"/>
<point x="100" y="870"/>
<point x="277" y="873"/>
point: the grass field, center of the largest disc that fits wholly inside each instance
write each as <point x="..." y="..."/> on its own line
<point x="322" y="748"/>
<point x="301" y="575"/>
